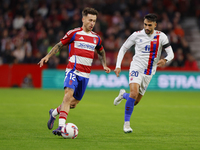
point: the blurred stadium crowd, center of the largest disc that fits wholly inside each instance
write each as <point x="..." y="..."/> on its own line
<point x="29" y="28"/>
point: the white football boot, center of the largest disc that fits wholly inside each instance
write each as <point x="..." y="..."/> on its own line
<point x="127" y="128"/>
<point x="119" y="98"/>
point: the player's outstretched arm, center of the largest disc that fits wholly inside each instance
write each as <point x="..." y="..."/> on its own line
<point x="53" y="51"/>
<point x="102" y="58"/>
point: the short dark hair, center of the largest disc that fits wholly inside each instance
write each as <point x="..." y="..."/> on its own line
<point x="89" y="10"/>
<point x="151" y="17"/>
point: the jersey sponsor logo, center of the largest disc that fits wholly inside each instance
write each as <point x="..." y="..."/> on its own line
<point x="86" y="46"/>
<point x="146" y="49"/>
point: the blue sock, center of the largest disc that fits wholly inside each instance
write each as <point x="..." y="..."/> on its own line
<point x="126" y="95"/>
<point x="129" y="108"/>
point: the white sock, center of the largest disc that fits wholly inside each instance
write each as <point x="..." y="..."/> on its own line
<point x="55" y="113"/>
<point x="62" y="122"/>
<point x="62" y="118"/>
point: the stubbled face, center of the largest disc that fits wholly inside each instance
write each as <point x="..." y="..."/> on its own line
<point x="149" y="26"/>
<point x="89" y="22"/>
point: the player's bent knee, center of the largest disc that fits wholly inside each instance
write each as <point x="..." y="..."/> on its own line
<point x="74" y="103"/>
<point x="72" y="106"/>
<point x="134" y="96"/>
<point x="68" y="99"/>
<point x="136" y="103"/>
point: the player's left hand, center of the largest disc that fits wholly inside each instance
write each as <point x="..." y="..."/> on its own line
<point x="161" y="62"/>
<point x="107" y="70"/>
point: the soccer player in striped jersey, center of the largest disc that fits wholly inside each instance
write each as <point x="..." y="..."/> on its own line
<point x="82" y="44"/>
<point x="148" y="46"/>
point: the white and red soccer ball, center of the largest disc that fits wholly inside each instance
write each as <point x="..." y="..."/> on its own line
<point x="69" y="131"/>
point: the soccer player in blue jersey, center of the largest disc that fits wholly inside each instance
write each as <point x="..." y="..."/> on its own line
<point x="148" y="47"/>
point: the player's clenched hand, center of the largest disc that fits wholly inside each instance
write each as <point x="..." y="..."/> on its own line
<point x="161" y="62"/>
<point x="117" y="71"/>
<point x="107" y="70"/>
<point x="41" y="63"/>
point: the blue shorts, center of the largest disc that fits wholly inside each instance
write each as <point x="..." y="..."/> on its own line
<point x="77" y="83"/>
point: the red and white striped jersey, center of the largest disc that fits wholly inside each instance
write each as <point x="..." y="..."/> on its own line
<point x="147" y="51"/>
<point x="81" y="50"/>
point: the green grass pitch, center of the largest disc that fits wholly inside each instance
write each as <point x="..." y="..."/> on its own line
<point x="161" y="121"/>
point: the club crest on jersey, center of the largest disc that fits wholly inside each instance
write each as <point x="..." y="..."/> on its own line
<point x="95" y="41"/>
<point x="154" y="41"/>
<point x="70" y="82"/>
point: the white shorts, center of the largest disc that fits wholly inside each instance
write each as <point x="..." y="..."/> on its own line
<point x="140" y="78"/>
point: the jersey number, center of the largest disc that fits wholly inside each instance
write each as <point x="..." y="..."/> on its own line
<point x="72" y="76"/>
<point x="134" y="73"/>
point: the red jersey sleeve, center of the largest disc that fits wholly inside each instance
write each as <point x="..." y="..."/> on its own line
<point x="70" y="36"/>
<point x="67" y="38"/>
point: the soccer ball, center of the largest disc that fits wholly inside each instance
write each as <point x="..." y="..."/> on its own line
<point x="69" y="131"/>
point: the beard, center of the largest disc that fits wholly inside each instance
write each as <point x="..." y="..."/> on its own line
<point x="148" y="31"/>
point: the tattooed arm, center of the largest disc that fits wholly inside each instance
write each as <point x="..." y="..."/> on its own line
<point x="53" y="51"/>
<point x="102" y="58"/>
